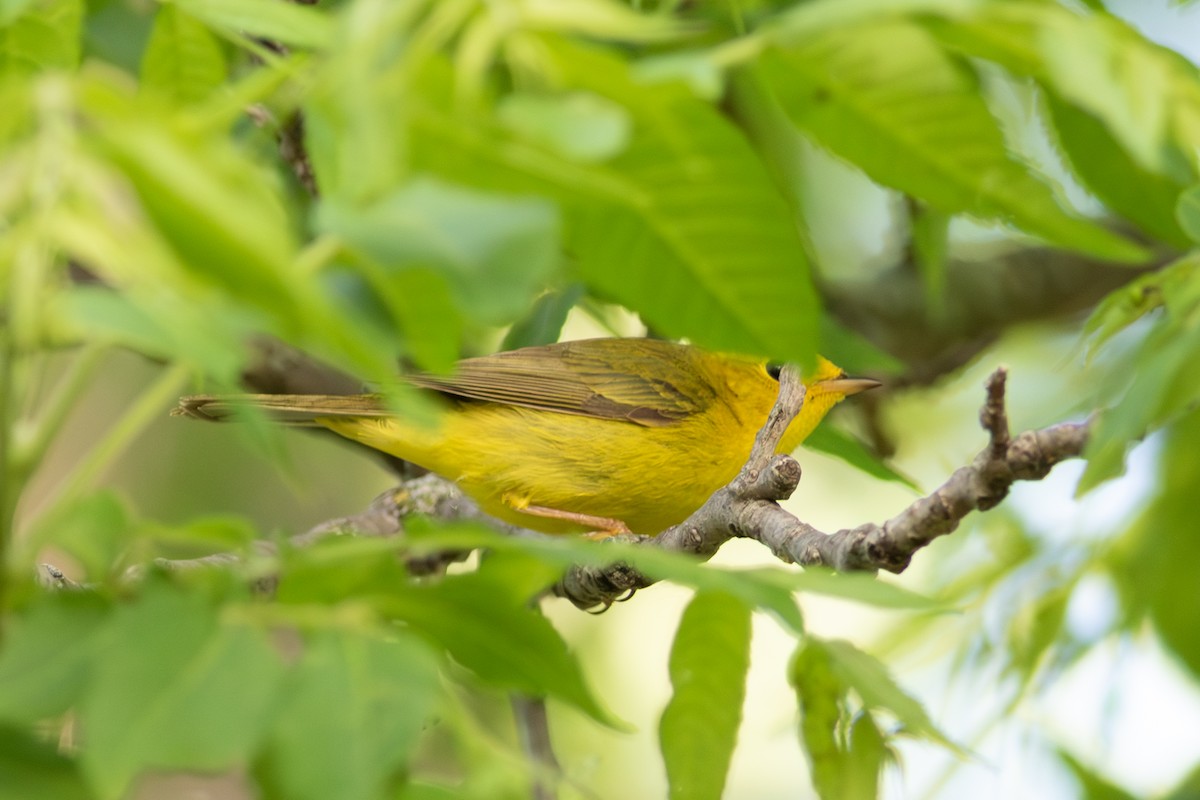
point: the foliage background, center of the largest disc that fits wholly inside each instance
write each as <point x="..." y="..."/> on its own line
<point x="920" y="190"/>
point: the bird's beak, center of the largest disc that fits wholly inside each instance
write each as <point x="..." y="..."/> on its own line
<point x="849" y="386"/>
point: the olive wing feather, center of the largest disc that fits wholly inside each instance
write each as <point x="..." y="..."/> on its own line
<point x="645" y="381"/>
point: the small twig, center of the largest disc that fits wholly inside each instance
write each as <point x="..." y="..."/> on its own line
<point x="533" y="729"/>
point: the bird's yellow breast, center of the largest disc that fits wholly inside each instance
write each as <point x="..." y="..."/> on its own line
<point x="651" y="477"/>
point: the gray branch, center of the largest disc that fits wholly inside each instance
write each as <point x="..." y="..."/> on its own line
<point x="748" y="506"/>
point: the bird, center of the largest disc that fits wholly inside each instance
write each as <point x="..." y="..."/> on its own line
<point x="603" y="436"/>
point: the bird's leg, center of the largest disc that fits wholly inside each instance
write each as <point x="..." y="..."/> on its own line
<point x="601" y="527"/>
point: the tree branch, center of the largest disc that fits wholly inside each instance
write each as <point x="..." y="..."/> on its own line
<point x="748" y="506"/>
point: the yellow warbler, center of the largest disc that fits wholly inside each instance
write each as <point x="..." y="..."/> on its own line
<point x="600" y="433"/>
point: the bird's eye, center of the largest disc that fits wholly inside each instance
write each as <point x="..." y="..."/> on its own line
<point x="774" y="368"/>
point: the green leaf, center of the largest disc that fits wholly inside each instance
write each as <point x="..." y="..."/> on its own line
<point x="1092" y="785"/>
<point x="764" y="589"/>
<point x="47" y="656"/>
<point x="1187" y="212"/>
<point x="865" y="759"/>
<point x="487" y="629"/>
<point x="543" y="324"/>
<point x="821" y="696"/>
<point x="285" y="23"/>
<point x="870" y="679"/>
<point x="600" y="19"/>
<point x="33" y="769"/>
<point x="94" y="530"/>
<point x="684" y="227"/>
<point x="847" y="763"/>
<point x="828" y="439"/>
<point x="219" y="533"/>
<point x="1155" y="572"/>
<point x="427" y="315"/>
<point x="43" y="35"/>
<point x="859" y="587"/>
<point x="1188" y="788"/>
<point x="1147" y="96"/>
<point x="1161" y="384"/>
<point x="1107" y="170"/>
<point x="175" y="688"/>
<point x="1036" y="628"/>
<point x="148" y="323"/>
<point x="183" y="61"/>
<point x="581" y="126"/>
<point x="847" y="347"/>
<point x="930" y="242"/>
<point x="354" y="710"/>
<point x="1124" y="306"/>
<point x="200" y="196"/>
<point x="887" y="98"/>
<point x="496" y="252"/>
<point x="709" y="661"/>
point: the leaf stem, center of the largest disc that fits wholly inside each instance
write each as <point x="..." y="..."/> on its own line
<point x="148" y="407"/>
<point x="10" y="481"/>
<point x="28" y="450"/>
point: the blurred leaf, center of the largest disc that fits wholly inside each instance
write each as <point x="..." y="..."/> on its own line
<point x="601" y="19"/>
<point x="32" y="769"/>
<point x="1151" y="381"/>
<point x="1156" y="567"/>
<point x="764" y="589"/>
<point x="846" y="347"/>
<point x="859" y="587"/>
<point x="930" y="240"/>
<point x="220" y="533"/>
<point x="1124" y="306"/>
<point x="496" y="252"/>
<point x="11" y="9"/>
<point x="580" y="126"/>
<point x="544" y="322"/>
<point x="1147" y="96"/>
<point x="828" y="439"/>
<point x="151" y="324"/>
<point x="476" y="618"/>
<point x="175" y="688"/>
<point x="423" y="305"/>
<point x="1091" y="784"/>
<point x="1161" y="384"/>
<point x="354" y="710"/>
<point x="41" y="35"/>
<point x="1188" y="788"/>
<point x="865" y="759"/>
<point x="684" y="227"/>
<point x="47" y="656"/>
<point x="870" y="679"/>
<point x="430" y="791"/>
<point x="200" y="197"/>
<point x="1107" y="170"/>
<point x="1036" y="627"/>
<point x="697" y="70"/>
<point x="182" y="61"/>
<point x="1187" y="212"/>
<point x="285" y="23"/>
<point x="820" y="695"/>
<point x="94" y="530"/>
<point x="336" y="568"/>
<point x="887" y="98"/>
<point x="709" y="661"/>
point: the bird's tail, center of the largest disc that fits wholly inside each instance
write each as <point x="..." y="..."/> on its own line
<point x="289" y="409"/>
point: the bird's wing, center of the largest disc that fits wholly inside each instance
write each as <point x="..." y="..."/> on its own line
<point x="643" y="381"/>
